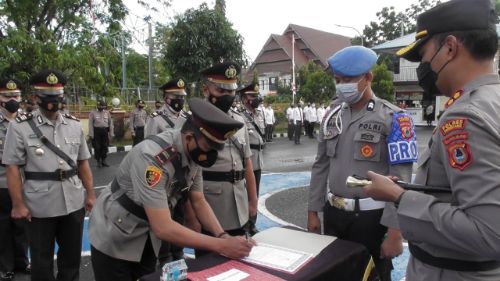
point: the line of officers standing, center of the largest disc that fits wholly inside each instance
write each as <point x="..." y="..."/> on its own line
<point x="306" y="118"/>
<point x="47" y="186"/>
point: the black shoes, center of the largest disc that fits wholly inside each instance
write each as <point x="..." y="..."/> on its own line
<point x="104" y="164"/>
<point x="6" y="276"/>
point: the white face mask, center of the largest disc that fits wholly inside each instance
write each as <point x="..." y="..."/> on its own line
<point x="348" y="92"/>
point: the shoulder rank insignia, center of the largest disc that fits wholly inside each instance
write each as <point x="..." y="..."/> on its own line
<point x="69" y="116"/>
<point x="1" y="117"/>
<point x="154" y="114"/>
<point x="152" y="176"/>
<point x="39" y="119"/>
<point x="23" y="117"/>
<point x="166" y="155"/>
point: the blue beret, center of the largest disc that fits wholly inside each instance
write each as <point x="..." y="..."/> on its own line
<point x="352" y="61"/>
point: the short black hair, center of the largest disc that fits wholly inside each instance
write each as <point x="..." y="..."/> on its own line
<point x="481" y="44"/>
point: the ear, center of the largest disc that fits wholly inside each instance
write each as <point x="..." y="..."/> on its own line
<point x="369" y="76"/>
<point x="451" y="45"/>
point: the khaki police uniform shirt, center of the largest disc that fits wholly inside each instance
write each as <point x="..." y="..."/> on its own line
<point x="157" y="123"/>
<point x="4" y="124"/>
<point x="464" y="155"/>
<point x="46" y="198"/>
<point x="252" y="120"/>
<point x="100" y="119"/>
<point x="137" y="118"/>
<point x="229" y="201"/>
<point x="118" y="233"/>
<point x="362" y="146"/>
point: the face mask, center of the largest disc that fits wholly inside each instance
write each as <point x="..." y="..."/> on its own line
<point x="50" y="103"/>
<point x="427" y="77"/>
<point x="141" y="106"/>
<point x="202" y="158"/>
<point x="11" y="106"/>
<point x="348" y="92"/>
<point x="223" y="102"/>
<point x="177" y="104"/>
<point x="100" y="108"/>
<point x="256" y="102"/>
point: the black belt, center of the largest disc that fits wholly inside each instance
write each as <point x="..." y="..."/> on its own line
<point x="139" y="127"/>
<point x="452" y="264"/>
<point x="57" y="175"/>
<point x="231" y="176"/>
<point x="127" y="203"/>
<point x="257" y="146"/>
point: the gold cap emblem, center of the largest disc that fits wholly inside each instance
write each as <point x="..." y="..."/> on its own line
<point x="180" y="83"/>
<point x="52" y="79"/>
<point x="230" y="72"/>
<point x="256" y="88"/>
<point x="11" y="85"/>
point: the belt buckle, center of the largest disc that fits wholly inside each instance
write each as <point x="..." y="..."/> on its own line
<point x="338" y="202"/>
<point x="62" y="174"/>
<point x="235" y="175"/>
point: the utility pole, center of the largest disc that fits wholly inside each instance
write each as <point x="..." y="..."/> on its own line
<point x="150" y="54"/>
<point x="293" y="69"/>
<point x="124" y="64"/>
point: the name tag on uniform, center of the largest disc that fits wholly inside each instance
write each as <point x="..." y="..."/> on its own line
<point x="32" y="136"/>
<point x="71" y="140"/>
<point x="402" y="142"/>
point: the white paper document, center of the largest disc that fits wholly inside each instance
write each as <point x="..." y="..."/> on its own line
<point x="230" y="275"/>
<point x="277" y="258"/>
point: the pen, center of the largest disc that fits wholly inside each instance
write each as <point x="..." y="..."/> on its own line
<point x="246" y="235"/>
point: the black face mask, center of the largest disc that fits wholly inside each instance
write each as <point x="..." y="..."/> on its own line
<point x="50" y="103"/>
<point x="11" y="106"/>
<point x="223" y="102"/>
<point x="427" y="78"/>
<point x="202" y="158"/>
<point x="177" y="104"/>
<point x="100" y="108"/>
<point x="256" y="102"/>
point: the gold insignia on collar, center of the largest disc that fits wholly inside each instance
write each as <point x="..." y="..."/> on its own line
<point x="180" y="83"/>
<point x="230" y="134"/>
<point x="230" y="72"/>
<point x="11" y="85"/>
<point x="256" y="88"/>
<point x="52" y="79"/>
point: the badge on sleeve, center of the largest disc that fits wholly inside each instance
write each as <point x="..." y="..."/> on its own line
<point x="459" y="155"/>
<point x="367" y="151"/>
<point x="402" y="142"/>
<point x="153" y="176"/>
<point x="453" y="125"/>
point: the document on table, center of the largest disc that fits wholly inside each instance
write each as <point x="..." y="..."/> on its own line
<point x="278" y="258"/>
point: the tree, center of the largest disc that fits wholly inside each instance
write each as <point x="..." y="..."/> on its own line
<point x="198" y="39"/>
<point x="382" y="84"/>
<point x="392" y="24"/>
<point x="220" y="5"/>
<point x="315" y="84"/>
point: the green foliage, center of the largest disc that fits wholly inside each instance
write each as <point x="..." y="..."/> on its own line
<point x="316" y="85"/>
<point x="391" y="24"/>
<point x="199" y="38"/>
<point x="382" y="84"/>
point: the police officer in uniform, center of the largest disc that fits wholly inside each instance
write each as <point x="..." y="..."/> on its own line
<point x="254" y="118"/>
<point x="169" y="116"/>
<point x="362" y="132"/>
<point x="101" y="129"/>
<point x="454" y="237"/>
<point x="137" y="121"/>
<point x="229" y="185"/>
<point x="58" y="181"/>
<point x="158" y="105"/>
<point x="14" y="245"/>
<point x="133" y="214"/>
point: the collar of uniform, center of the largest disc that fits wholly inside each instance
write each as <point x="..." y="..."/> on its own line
<point x="482" y="80"/>
<point x="38" y="116"/>
<point x="180" y="148"/>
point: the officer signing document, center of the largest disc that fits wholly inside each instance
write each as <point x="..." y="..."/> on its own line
<point x="132" y="215"/>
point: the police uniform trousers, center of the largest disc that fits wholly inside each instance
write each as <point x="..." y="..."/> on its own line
<point x="169" y="251"/>
<point x="67" y="232"/>
<point x="233" y="232"/>
<point x="13" y="237"/>
<point x="139" y="135"/>
<point x="298" y="131"/>
<point x="291" y="129"/>
<point x="362" y="227"/>
<point x="107" y="268"/>
<point x="100" y="143"/>
<point x="311" y="129"/>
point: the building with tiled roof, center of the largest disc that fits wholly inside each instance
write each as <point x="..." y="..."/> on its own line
<point x="274" y="62"/>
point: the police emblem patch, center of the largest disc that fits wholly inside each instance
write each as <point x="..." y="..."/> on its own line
<point x="152" y="175"/>
<point x="367" y="151"/>
<point x="459" y="155"/>
<point x="402" y="142"/>
<point x="453" y="125"/>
